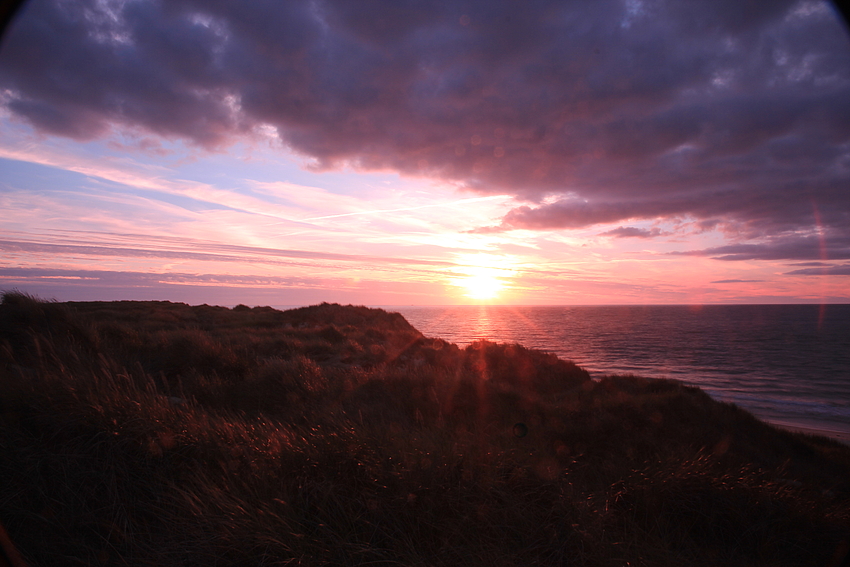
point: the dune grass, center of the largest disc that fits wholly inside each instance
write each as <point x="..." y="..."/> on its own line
<point x="154" y="433"/>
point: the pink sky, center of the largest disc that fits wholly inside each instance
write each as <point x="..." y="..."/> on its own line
<point x="368" y="163"/>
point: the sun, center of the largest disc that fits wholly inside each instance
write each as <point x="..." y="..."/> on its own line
<point x="483" y="277"/>
<point x="482" y="286"/>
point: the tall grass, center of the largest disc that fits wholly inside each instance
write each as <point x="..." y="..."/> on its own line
<point x="152" y="433"/>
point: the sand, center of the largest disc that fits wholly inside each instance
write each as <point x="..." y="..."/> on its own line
<point x="841" y="436"/>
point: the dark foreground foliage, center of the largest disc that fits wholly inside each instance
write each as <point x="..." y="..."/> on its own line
<point x="154" y="433"/>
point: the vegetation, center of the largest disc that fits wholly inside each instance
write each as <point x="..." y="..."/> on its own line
<point x="154" y="433"/>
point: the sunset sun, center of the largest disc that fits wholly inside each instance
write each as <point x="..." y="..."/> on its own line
<point x="484" y="276"/>
<point x="482" y="286"/>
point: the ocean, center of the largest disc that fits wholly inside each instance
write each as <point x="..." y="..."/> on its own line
<point x="786" y="364"/>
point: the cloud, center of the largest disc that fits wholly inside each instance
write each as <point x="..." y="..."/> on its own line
<point x="89" y="278"/>
<point x="608" y="111"/>
<point x="632" y="232"/>
<point x="217" y="289"/>
<point x="841" y="270"/>
<point x="783" y="248"/>
<point x="189" y="249"/>
<point x="737" y="281"/>
<point x="811" y="264"/>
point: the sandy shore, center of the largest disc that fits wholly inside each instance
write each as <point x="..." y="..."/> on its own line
<point x="842" y="436"/>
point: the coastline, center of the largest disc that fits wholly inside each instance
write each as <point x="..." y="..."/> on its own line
<point x="840" y="436"/>
<point x="731" y="352"/>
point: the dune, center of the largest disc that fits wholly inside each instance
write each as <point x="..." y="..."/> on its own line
<point x="162" y="433"/>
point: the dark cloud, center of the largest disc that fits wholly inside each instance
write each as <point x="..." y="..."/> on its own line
<point x="609" y="110"/>
<point x="786" y="248"/>
<point x="566" y="214"/>
<point x="811" y="264"/>
<point x="632" y="232"/>
<point x="841" y="270"/>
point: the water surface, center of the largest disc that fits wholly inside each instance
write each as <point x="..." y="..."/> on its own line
<point x="788" y="364"/>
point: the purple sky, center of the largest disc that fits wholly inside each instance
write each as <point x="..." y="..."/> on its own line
<point x="392" y="152"/>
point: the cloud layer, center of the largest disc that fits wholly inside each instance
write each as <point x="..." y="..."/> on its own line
<point x="789" y="248"/>
<point x="730" y="113"/>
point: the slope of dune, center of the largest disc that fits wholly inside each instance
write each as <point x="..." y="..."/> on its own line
<point x="155" y="433"/>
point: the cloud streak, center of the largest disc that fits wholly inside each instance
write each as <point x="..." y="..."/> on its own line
<point x="88" y="285"/>
<point x="195" y="250"/>
<point x="827" y="270"/>
<point x="811" y="247"/>
<point x="632" y="232"/>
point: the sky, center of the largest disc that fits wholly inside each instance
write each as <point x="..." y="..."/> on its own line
<point x="426" y="152"/>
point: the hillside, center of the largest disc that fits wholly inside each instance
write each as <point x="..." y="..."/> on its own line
<point x="155" y="433"/>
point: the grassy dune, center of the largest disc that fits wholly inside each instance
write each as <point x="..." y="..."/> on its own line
<point x="154" y="433"/>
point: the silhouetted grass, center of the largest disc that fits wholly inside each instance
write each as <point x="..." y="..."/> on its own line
<point x="153" y="433"/>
